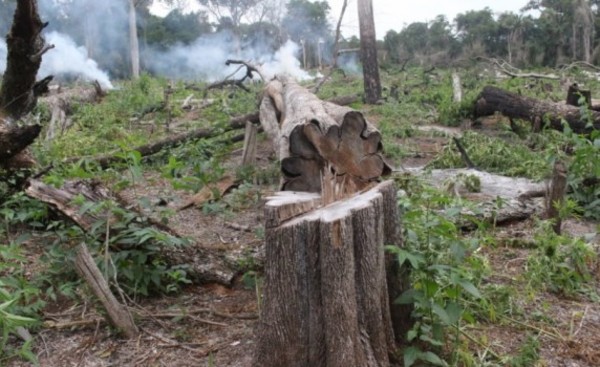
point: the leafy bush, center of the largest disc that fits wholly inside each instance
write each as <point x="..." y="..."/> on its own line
<point x="444" y="273"/>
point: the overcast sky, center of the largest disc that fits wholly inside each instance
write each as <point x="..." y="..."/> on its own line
<point x="395" y="14"/>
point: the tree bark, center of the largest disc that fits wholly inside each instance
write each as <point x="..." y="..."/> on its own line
<point x="310" y="135"/>
<point x="575" y="93"/>
<point x="14" y="139"/>
<point x="492" y="100"/>
<point x="19" y="91"/>
<point x="326" y="300"/>
<point x="133" y="41"/>
<point x="25" y="46"/>
<point x="118" y="314"/>
<point x="368" y="48"/>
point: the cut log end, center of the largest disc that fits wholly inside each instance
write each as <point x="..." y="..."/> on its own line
<point x="313" y="137"/>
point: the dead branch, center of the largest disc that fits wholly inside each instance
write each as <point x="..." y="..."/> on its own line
<point x="250" y="68"/>
<point x="118" y="314"/>
<point x="336" y="50"/>
<point x="203" y="265"/>
<point x="572" y="65"/>
<point x="463" y="153"/>
<point x="506" y="68"/>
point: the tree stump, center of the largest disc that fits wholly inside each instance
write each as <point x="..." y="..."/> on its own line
<point x="575" y="93"/>
<point x="326" y="300"/>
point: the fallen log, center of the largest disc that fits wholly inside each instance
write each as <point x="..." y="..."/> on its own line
<point x="310" y="135"/>
<point x="500" y="199"/>
<point x="512" y="105"/>
<point x="202" y="265"/>
<point x="326" y="300"/>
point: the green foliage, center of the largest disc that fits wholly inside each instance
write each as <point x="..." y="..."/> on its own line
<point x="561" y="264"/>
<point x="445" y="274"/>
<point x="529" y="354"/>
<point x="20" y="301"/>
<point x="103" y="127"/>
<point x="510" y="158"/>
<point x="583" y="167"/>
<point x="127" y="251"/>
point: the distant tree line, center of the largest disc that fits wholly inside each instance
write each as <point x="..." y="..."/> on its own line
<point x="544" y="33"/>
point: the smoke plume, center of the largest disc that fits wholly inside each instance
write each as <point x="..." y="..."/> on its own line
<point x="205" y="59"/>
<point x="102" y="26"/>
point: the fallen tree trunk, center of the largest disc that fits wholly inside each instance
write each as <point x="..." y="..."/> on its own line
<point x="203" y="265"/>
<point x="326" y="301"/>
<point x="310" y="135"/>
<point x="493" y="99"/>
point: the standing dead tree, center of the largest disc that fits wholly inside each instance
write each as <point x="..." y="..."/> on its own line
<point x="20" y="90"/>
<point x="310" y="134"/>
<point x="368" y="51"/>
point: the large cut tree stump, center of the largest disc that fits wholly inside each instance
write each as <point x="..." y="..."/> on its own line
<point x="493" y="99"/>
<point x="311" y="135"/>
<point x="326" y="300"/>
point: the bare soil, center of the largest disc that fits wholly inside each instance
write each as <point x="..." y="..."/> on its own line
<point x="212" y="325"/>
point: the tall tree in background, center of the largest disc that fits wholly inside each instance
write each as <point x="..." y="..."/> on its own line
<point x="133" y="41"/>
<point x="583" y="29"/>
<point x="368" y="51"/>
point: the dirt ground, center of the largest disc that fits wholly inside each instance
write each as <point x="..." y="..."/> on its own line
<point x="212" y="325"/>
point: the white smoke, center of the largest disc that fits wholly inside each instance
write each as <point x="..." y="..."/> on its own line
<point x="65" y="58"/>
<point x="68" y="58"/>
<point x="3" y="53"/>
<point x="285" y="62"/>
<point x="205" y="58"/>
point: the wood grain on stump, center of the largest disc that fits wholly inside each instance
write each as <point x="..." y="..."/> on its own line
<point x="326" y="300"/>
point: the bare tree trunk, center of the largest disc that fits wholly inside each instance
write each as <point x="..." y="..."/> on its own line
<point x="368" y="46"/>
<point x="133" y="41"/>
<point x="19" y="91"/>
<point x="25" y="46"/>
<point x="574" y="41"/>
